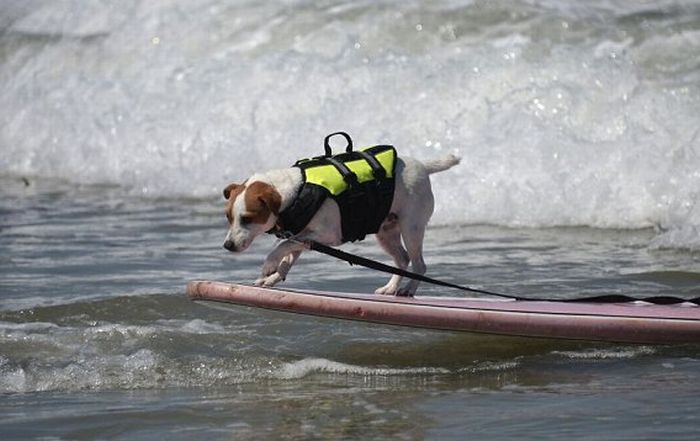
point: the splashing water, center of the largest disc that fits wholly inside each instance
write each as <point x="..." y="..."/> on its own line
<point x="565" y="115"/>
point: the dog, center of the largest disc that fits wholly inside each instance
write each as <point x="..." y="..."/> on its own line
<point x="254" y="207"/>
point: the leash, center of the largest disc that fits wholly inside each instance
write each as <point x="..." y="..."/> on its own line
<point x="353" y="259"/>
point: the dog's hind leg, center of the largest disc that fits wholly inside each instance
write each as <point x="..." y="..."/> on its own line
<point x="414" y="246"/>
<point x="389" y="237"/>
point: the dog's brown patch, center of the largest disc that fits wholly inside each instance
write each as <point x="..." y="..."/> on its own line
<point x="261" y="199"/>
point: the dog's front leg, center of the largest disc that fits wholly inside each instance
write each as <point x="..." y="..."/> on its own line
<point x="278" y="263"/>
<point x="281" y="272"/>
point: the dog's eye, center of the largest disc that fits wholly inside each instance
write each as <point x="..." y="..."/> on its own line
<point x="246" y="219"/>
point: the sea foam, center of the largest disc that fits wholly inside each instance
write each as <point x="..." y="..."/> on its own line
<point x="563" y="115"/>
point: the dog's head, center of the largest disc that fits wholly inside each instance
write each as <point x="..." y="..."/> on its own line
<point x="251" y="209"/>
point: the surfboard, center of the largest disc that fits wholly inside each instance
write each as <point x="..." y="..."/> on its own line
<point x="632" y="322"/>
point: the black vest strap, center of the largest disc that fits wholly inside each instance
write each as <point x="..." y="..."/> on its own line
<point x="345" y="172"/>
<point x="377" y="169"/>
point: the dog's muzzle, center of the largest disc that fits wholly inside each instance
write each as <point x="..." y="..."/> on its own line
<point x="229" y="245"/>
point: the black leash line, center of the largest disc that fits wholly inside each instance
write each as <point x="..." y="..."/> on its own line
<point x="373" y="264"/>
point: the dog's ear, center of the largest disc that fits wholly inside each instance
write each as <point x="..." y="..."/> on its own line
<point x="229" y="188"/>
<point x="271" y="199"/>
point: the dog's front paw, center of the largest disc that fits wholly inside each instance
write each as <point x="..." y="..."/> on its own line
<point x="267" y="275"/>
<point x="269" y="281"/>
<point x="387" y="290"/>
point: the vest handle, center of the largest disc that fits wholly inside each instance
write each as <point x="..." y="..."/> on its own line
<point x="327" y="145"/>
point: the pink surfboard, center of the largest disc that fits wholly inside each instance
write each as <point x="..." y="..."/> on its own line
<point x="634" y="322"/>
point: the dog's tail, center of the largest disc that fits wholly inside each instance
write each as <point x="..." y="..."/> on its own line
<point x="442" y="164"/>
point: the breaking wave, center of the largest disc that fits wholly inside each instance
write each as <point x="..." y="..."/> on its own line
<point x="564" y="114"/>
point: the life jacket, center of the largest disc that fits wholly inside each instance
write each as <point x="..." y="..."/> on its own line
<point x="361" y="183"/>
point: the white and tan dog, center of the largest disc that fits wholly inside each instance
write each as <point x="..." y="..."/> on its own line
<point x="252" y="209"/>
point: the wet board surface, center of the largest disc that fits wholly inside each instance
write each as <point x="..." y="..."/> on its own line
<point x="634" y="322"/>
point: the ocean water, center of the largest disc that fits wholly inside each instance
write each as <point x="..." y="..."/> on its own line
<point x="120" y="123"/>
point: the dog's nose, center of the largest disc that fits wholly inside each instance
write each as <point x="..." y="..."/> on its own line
<point x="229" y="245"/>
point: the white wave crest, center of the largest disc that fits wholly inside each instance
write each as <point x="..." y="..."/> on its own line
<point x="308" y="366"/>
<point x="555" y="128"/>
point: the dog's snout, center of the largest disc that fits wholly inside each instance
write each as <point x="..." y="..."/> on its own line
<point x="229" y="245"/>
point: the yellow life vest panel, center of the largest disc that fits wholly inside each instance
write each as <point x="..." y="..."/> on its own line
<point x="361" y="182"/>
